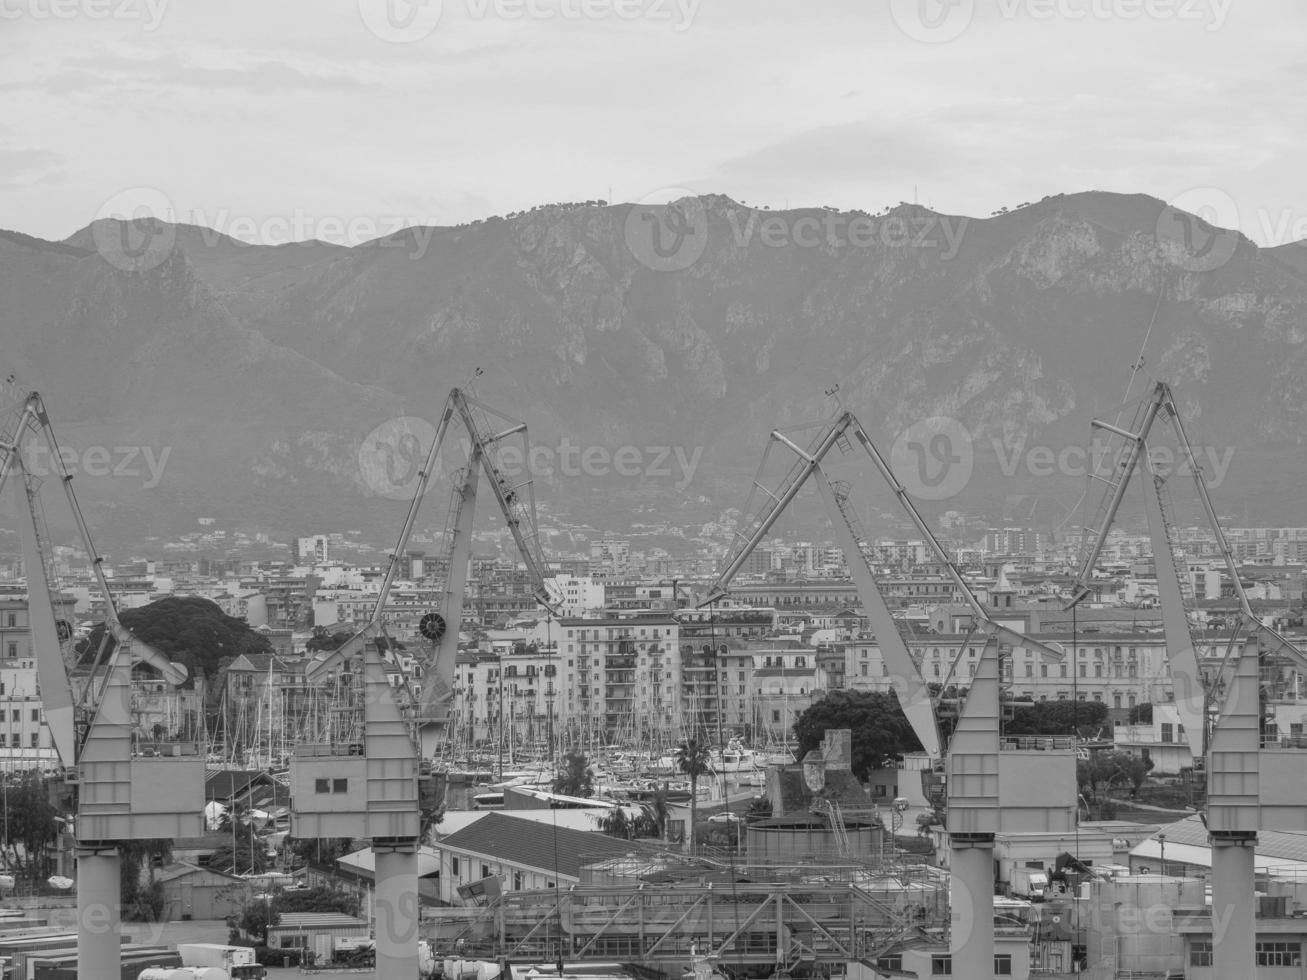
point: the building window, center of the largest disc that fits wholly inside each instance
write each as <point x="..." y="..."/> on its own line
<point x="1279" y="954"/>
<point x="35" y="740"/>
<point x="485" y="871"/>
<point x="36" y="714"/>
<point x="13" y="651"/>
<point x="517" y="880"/>
<point x="891" y="962"/>
<point x="322" y="786"/>
<point x="13" y="619"/>
<point x="941" y="966"/>
<point x="453" y="866"/>
<point x="1200" y="953"/>
<point x="1003" y="965"/>
<point x="1167" y="732"/>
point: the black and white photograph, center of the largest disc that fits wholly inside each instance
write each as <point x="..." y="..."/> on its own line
<point x="653" y="489"/>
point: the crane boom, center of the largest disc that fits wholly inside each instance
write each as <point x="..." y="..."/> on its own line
<point x="912" y="690"/>
<point x="35" y="418"/>
<point x="51" y="672"/>
<point x="1190" y="695"/>
<point x="351" y="648"/>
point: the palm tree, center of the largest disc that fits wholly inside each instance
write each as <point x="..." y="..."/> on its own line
<point x="576" y="777"/>
<point x="692" y="758"/>
<point x="656" y="812"/>
<point x="615" y="823"/>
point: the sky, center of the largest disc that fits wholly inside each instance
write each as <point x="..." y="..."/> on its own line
<point x="279" y="120"/>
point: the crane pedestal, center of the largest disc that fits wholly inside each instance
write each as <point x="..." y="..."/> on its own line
<point x="397" y="907"/>
<point x="99" y="874"/>
<point x="1234" y="904"/>
<point x="971" y="905"/>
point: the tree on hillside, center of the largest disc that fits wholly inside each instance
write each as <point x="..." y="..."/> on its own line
<point x="576" y="777"/>
<point x="880" y="731"/>
<point x="693" y="757"/>
<point x="187" y="629"/>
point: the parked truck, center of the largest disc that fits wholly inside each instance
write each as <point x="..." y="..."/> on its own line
<point x="1031" y="883"/>
<point x="238" y="961"/>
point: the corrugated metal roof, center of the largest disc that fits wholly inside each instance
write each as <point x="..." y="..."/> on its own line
<point x="526" y="843"/>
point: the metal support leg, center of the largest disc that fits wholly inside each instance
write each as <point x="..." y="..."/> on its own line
<point x="1234" y="925"/>
<point x="99" y="916"/>
<point x="971" y="906"/>
<point x="396" y="908"/>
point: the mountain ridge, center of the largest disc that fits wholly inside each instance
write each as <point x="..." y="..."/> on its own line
<point x="281" y="359"/>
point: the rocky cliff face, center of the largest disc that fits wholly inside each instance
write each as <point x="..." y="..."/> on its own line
<point x="264" y="369"/>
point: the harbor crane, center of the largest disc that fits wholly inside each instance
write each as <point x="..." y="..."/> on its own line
<point x="120" y="795"/>
<point x="991" y="787"/>
<point x="375" y="793"/>
<point x="1252" y="783"/>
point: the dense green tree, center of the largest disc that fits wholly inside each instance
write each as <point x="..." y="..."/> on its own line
<point x="31" y="826"/>
<point x="142" y="901"/>
<point x="316" y="900"/>
<point x="189" y="630"/>
<point x="324" y="851"/>
<point x="1141" y="714"/>
<point x="616" y="823"/>
<point x="1058" y="718"/>
<point x="1105" y="770"/>
<point x="576" y="777"/>
<point x="694" y="757"/>
<point x="880" y="731"/>
<point x="324" y="640"/>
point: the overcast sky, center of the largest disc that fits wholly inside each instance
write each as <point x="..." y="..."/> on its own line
<point x="271" y="119"/>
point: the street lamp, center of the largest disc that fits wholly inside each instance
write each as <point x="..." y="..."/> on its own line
<point x="1161" y="839"/>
